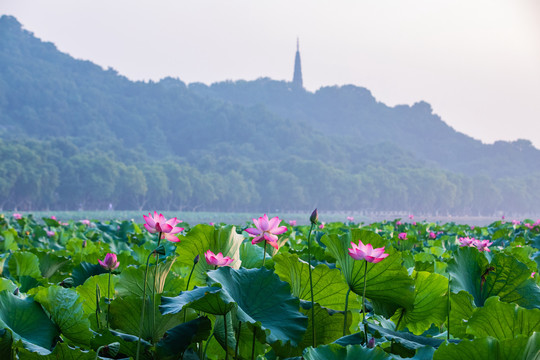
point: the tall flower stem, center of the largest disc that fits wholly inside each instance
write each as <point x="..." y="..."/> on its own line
<point x="311" y="286"/>
<point x="206" y="346"/>
<point x="141" y="322"/>
<point x="364" y="301"/>
<point x="154" y="287"/>
<point x="143" y="307"/>
<point x="237" y="340"/>
<point x="226" y="337"/>
<point x="346" y="306"/>
<point x="264" y="255"/>
<point x="448" y="306"/>
<point x="189" y="279"/>
<point x="253" y="343"/>
<point x="109" y="299"/>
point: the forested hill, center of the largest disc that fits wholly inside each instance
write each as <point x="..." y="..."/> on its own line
<point x="73" y="135"/>
<point x="353" y="112"/>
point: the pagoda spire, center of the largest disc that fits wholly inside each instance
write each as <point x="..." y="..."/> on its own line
<point x="297" y="82"/>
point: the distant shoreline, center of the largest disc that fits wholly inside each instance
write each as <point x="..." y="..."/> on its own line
<point x="301" y="218"/>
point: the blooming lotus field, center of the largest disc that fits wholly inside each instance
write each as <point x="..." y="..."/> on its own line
<point x="161" y="289"/>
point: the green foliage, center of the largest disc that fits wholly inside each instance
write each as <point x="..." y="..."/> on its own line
<point x="27" y="322"/>
<point x="65" y="308"/>
<point x="338" y="352"/>
<point x="389" y="286"/>
<point x="54" y="303"/>
<point x="329" y="290"/>
<point x="430" y="304"/>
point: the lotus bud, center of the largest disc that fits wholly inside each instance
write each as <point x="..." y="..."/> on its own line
<point x="16" y="292"/>
<point x="196" y="260"/>
<point x="371" y="343"/>
<point x="314" y="218"/>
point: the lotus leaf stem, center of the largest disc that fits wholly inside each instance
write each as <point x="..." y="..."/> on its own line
<point x="237" y="340"/>
<point x="346" y="307"/>
<point x="253" y="343"/>
<point x="226" y="337"/>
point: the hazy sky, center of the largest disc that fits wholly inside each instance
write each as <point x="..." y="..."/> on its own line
<point x="476" y="61"/>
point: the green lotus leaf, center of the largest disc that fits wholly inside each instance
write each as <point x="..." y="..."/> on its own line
<point x="128" y="343"/>
<point x="27" y="322"/>
<point x="66" y="310"/>
<point x="203" y="237"/>
<point x="61" y="351"/>
<point x="252" y="255"/>
<point x="50" y="222"/>
<point x="461" y="310"/>
<point x="329" y="327"/>
<point x="209" y="299"/>
<point x="389" y="285"/>
<point x="6" y="284"/>
<point x="532" y="349"/>
<point x="82" y="250"/>
<point x="6" y="343"/>
<point x="408" y="340"/>
<point x="85" y="270"/>
<point x="50" y="263"/>
<point x="87" y="291"/>
<point x="329" y="290"/>
<point x="519" y="348"/>
<point x="505" y="277"/>
<point x="245" y="338"/>
<point x="125" y="316"/>
<point x="430" y="304"/>
<point x="10" y="242"/>
<point x="131" y="280"/>
<point x="263" y="298"/>
<point x="178" y="339"/>
<point x="23" y="263"/>
<point x="350" y="352"/>
<point x="503" y="321"/>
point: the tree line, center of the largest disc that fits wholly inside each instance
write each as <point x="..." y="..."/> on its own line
<point x="55" y="174"/>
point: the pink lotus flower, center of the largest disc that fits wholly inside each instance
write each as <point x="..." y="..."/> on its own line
<point x="350" y="218"/>
<point x="211" y="223"/>
<point x="432" y="235"/>
<point x="50" y="233"/>
<point x="367" y="252"/>
<point x="466" y="241"/>
<point x="110" y="262"/>
<point x="167" y="228"/>
<point x="532" y="275"/>
<point x="217" y="260"/>
<point x="482" y="245"/>
<point x="85" y="222"/>
<point x="398" y="222"/>
<point x="292" y="222"/>
<point x="321" y="226"/>
<point x="411" y="216"/>
<point x="266" y="230"/>
<point x="516" y="222"/>
<point x="53" y="217"/>
<point x="402" y="236"/>
<point x="17" y="216"/>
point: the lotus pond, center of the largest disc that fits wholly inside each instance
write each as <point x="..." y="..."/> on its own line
<point x="148" y="290"/>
